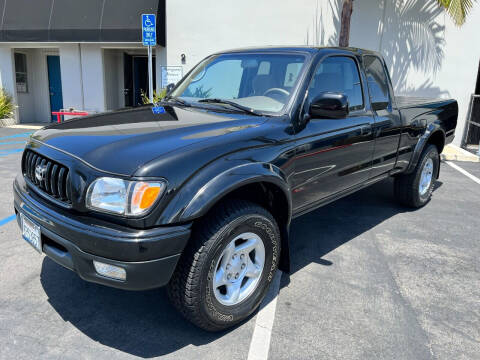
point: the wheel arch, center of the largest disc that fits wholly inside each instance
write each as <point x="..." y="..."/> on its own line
<point x="438" y="139"/>
<point x="434" y="135"/>
<point x="263" y="184"/>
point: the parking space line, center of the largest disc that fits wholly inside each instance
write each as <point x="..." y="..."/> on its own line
<point x="13" y="142"/>
<point x="27" y="134"/>
<point x="10" y="151"/>
<point x="7" y="220"/>
<point x="260" y="343"/>
<point x="464" y="172"/>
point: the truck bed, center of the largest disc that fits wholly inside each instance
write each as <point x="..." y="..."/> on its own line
<point x="404" y="102"/>
<point x="417" y="111"/>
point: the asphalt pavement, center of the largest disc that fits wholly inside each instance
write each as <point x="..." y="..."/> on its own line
<point x="370" y="279"/>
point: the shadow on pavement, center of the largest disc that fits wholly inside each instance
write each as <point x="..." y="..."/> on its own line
<point x="316" y="234"/>
<point x="138" y="323"/>
<point x="146" y="325"/>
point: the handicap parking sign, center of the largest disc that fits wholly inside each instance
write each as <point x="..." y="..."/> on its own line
<point x="149" y="33"/>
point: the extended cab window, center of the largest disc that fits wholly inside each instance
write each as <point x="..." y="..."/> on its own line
<point x="262" y="82"/>
<point x="338" y="74"/>
<point x="377" y="82"/>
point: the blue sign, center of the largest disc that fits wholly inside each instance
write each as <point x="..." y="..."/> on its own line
<point x="158" y="110"/>
<point x="149" y="31"/>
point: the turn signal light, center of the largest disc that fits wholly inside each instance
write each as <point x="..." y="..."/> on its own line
<point x="144" y="196"/>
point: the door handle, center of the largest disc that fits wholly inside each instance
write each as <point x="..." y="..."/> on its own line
<point x="366" y="130"/>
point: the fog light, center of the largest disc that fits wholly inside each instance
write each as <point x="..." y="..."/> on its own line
<point x="110" y="271"/>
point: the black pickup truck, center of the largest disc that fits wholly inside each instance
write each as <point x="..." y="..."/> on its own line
<point x="197" y="192"/>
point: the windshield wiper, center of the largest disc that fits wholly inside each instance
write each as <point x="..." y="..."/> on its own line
<point x="232" y="104"/>
<point x="175" y="100"/>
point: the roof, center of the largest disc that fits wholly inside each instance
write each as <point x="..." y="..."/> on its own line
<point x="299" y="48"/>
<point x="78" y="21"/>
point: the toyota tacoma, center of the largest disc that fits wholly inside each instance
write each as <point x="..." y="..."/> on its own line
<point x="197" y="192"/>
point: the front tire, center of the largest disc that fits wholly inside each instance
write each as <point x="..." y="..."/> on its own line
<point x="226" y="269"/>
<point x="415" y="189"/>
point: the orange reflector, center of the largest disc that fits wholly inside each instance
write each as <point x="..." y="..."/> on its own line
<point x="149" y="197"/>
<point x="144" y="195"/>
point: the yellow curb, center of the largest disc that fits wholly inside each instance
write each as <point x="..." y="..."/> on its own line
<point x="454" y="153"/>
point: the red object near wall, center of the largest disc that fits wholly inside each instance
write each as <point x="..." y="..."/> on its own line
<point x="61" y="113"/>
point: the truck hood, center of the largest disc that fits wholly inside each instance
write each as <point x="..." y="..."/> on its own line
<point x="121" y="142"/>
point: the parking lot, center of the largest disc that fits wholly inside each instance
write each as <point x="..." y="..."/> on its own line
<point x="370" y="280"/>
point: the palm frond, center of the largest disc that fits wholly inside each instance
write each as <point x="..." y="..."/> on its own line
<point x="457" y="9"/>
<point x="419" y="39"/>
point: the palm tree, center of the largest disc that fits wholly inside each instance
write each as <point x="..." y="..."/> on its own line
<point x="347" y="9"/>
<point x="457" y="9"/>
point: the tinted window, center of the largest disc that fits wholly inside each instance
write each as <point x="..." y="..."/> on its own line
<point x="338" y="74"/>
<point x="377" y="80"/>
<point x="259" y="81"/>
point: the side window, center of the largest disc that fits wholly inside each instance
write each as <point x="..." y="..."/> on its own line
<point x="21" y="72"/>
<point x="377" y="82"/>
<point x="338" y="74"/>
<point x="264" y="68"/>
<point x="291" y="74"/>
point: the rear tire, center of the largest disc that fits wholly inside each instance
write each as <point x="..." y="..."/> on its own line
<point x="196" y="288"/>
<point x="415" y="189"/>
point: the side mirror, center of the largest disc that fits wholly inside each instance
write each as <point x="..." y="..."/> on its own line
<point x="170" y="87"/>
<point x="329" y="105"/>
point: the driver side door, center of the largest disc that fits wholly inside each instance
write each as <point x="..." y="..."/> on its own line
<point x="333" y="155"/>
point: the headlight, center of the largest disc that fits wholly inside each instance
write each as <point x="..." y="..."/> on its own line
<point x="123" y="197"/>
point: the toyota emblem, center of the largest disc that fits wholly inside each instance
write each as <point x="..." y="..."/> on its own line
<point x="40" y="172"/>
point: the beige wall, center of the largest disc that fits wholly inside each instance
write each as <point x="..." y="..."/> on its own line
<point x="113" y="63"/>
<point x="427" y="54"/>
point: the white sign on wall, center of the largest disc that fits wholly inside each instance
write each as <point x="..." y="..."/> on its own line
<point x="171" y="74"/>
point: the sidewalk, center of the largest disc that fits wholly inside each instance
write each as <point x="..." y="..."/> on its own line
<point x="455" y="153"/>
<point x="34" y="126"/>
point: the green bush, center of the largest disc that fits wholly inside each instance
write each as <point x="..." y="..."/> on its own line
<point x="7" y="107"/>
<point x="157" y="96"/>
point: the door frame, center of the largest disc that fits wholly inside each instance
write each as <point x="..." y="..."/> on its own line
<point x="133" y="74"/>
<point x="46" y="54"/>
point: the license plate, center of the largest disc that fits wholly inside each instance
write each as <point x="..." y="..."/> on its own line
<point x="31" y="233"/>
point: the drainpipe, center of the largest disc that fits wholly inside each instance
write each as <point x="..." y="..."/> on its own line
<point x="81" y="76"/>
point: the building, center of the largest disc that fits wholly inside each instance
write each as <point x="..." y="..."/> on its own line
<point x="85" y="55"/>
<point x="88" y="55"/>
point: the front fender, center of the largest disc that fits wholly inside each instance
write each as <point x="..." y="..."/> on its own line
<point x="197" y="197"/>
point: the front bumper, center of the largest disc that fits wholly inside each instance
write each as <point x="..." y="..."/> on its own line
<point x="149" y="256"/>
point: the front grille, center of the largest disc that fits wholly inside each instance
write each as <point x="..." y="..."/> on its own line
<point x="55" y="178"/>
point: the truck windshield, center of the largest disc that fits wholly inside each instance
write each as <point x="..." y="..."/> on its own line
<point x="260" y="82"/>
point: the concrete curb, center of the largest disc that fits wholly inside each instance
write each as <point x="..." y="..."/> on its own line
<point x="7" y="122"/>
<point x="454" y="153"/>
<point x="26" y="126"/>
